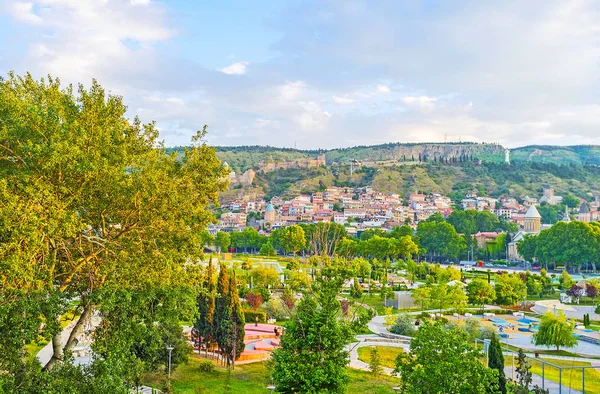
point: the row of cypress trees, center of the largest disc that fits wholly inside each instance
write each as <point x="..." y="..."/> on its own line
<point x="220" y="320"/>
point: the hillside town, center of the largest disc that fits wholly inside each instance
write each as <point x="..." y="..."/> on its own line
<point x="362" y="209"/>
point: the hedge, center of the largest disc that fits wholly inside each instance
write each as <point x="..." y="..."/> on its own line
<point x="250" y="316"/>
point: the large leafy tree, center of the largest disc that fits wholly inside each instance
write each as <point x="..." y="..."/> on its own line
<point x="294" y="239"/>
<point x="444" y="361"/>
<point x="480" y="292"/>
<point x="222" y="240"/>
<point x="555" y="330"/>
<point x="312" y="358"/>
<point x="510" y="289"/>
<point x="439" y="238"/>
<point x="90" y="203"/>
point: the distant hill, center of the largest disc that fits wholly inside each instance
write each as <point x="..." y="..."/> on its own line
<point x="578" y="154"/>
<point x="449" y="168"/>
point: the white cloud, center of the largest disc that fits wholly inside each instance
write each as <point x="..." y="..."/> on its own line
<point x="292" y="90"/>
<point x="343" y="100"/>
<point x="423" y="103"/>
<point x="383" y="89"/>
<point x="23" y="11"/>
<point x="238" y="68"/>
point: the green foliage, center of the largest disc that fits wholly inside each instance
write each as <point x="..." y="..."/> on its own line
<point x="263" y="276"/>
<point x="597" y="310"/>
<point x="472" y="222"/>
<point x="95" y="216"/>
<point x="496" y="361"/>
<point x="250" y="316"/>
<point x="444" y="361"/>
<point x="222" y="240"/>
<point x="207" y="366"/>
<point x="375" y="362"/>
<point x="510" y="289"/>
<point x="565" y="280"/>
<point x="480" y="292"/>
<point x="440" y="239"/>
<point x="404" y="325"/>
<point x="554" y="330"/>
<point x="267" y="249"/>
<point x="312" y="357"/>
<point x="356" y="290"/>
<point x="294" y="238"/>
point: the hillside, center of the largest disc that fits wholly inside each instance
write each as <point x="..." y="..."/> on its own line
<point x="578" y="154"/>
<point x="451" y="169"/>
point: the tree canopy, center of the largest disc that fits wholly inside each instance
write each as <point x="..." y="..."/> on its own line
<point x="90" y="203"/>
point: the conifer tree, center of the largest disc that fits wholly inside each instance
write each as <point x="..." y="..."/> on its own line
<point x="222" y="308"/>
<point x="234" y="343"/>
<point x="496" y="361"/>
<point x="206" y="308"/>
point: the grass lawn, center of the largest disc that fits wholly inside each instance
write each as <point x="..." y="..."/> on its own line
<point x="570" y="377"/>
<point x="252" y="379"/>
<point x="387" y="354"/>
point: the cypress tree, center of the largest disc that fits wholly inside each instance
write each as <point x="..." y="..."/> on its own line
<point x="206" y="308"/>
<point x="496" y="361"/>
<point x="222" y="314"/>
<point x="235" y="344"/>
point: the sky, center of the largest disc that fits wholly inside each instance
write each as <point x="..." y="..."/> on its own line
<point x="325" y="74"/>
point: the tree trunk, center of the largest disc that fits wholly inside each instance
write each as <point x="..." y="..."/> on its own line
<point x="57" y="349"/>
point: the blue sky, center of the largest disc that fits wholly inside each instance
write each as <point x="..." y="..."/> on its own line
<point x="330" y="73"/>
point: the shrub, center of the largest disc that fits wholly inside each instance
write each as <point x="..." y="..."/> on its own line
<point x="255" y="300"/>
<point x="405" y="325"/>
<point x="356" y="290"/>
<point x="264" y="293"/>
<point x="597" y="309"/>
<point x="207" y="366"/>
<point x="250" y="316"/>
<point x="276" y="309"/>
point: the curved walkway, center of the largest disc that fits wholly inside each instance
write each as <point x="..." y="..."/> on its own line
<point x="370" y="340"/>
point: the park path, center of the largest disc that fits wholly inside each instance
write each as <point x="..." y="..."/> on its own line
<point x="45" y="354"/>
<point x="370" y="340"/>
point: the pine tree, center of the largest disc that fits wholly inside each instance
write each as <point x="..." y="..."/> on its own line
<point x="496" y="361"/>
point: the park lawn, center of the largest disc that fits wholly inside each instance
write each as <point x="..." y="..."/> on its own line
<point x="570" y="377"/>
<point x="252" y="379"/>
<point x="387" y="354"/>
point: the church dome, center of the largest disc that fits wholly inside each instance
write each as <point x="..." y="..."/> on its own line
<point x="532" y="213"/>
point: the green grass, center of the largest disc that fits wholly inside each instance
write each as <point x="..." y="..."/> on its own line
<point x="387" y="354"/>
<point x="570" y="377"/>
<point x="252" y="379"/>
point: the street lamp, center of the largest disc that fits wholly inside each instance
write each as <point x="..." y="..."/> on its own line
<point x="271" y="388"/>
<point x="170" y="349"/>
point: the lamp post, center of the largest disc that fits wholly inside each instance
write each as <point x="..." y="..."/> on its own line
<point x="170" y="349"/>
